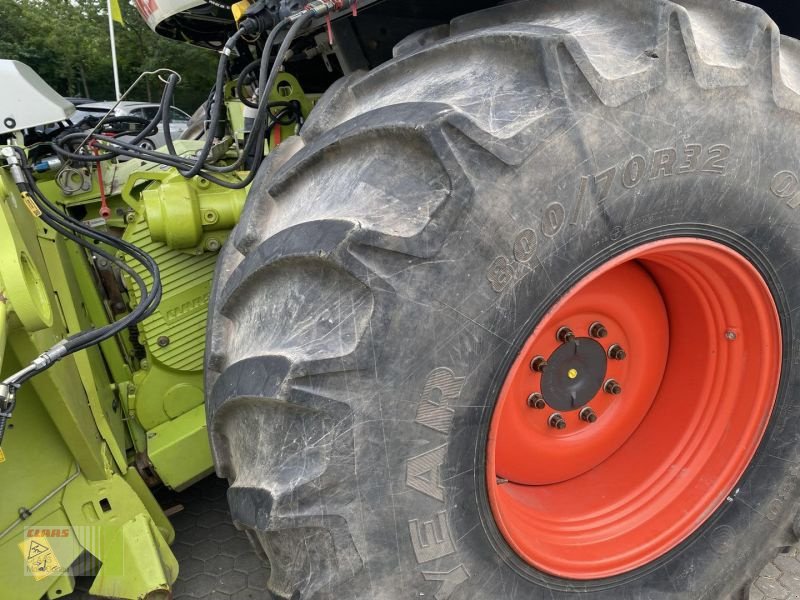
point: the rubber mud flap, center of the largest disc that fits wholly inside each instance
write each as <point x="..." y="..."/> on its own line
<point x="392" y="260"/>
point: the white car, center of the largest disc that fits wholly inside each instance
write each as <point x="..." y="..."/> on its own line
<point x="178" y="120"/>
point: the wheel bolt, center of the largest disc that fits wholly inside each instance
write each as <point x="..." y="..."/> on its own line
<point x="556" y="421"/>
<point x="613" y="387"/>
<point x="565" y="335"/>
<point x="536" y="400"/>
<point x="538" y="364"/>
<point x="616" y="352"/>
<point x="588" y="415"/>
<point x="598" y="330"/>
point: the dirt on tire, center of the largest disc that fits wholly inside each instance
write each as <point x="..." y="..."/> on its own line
<point x="375" y="292"/>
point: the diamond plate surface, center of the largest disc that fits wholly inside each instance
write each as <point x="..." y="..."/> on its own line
<point x="216" y="560"/>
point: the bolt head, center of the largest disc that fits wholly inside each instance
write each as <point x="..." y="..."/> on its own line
<point x="730" y="335"/>
<point x="556" y="421"/>
<point x="163" y="341"/>
<point x="613" y="387"/>
<point x="538" y="364"/>
<point x="598" y="330"/>
<point x="588" y="415"/>
<point x="536" y="400"/>
<point x="616" y="352"/>
<point x="565" y="335"/>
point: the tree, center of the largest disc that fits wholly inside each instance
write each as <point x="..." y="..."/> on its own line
<point x="67" y="43"/>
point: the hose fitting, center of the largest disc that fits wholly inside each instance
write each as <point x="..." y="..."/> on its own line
<point x="17" y="174"/>
<point x="7" y="404"/>
<point x="320" y="8"/>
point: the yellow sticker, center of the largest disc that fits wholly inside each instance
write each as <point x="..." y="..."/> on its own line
<point x="26" y="198"/>
<point x="40" y="558"/>
<point x="2" y="456"/>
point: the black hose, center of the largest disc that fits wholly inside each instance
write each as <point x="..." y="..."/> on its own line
<point x="72" y="228"/>
<point x="255" y="144"/>
<point x="217" y="106"/>
<point x="166" y="104"/>
<point x="240" y="83"/>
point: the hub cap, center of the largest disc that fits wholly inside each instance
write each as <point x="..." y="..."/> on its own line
<point x="633" y="409"/>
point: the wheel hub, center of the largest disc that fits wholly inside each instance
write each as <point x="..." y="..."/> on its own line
<point x="574" y="374"/>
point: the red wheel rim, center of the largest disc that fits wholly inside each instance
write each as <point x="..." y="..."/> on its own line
<point x="609" y="493"/>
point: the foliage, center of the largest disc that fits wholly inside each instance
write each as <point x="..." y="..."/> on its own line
<point x="67" y="43"/>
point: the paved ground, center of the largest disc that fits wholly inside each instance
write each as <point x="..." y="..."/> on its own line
<point x="217" y="562"/>
<point x="780" y="580"/>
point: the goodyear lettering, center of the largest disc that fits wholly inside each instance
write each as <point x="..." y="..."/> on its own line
<point x="431" y="537"/>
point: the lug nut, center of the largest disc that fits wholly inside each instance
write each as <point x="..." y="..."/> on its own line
<point x="556" y="421"/>
<point x="616" y="352"/>
<point x="612" y="387"/>
<point x="597" y="330"/>
<point x="538" y="364"/>
<point x="565" y="335"/>
<point x="536" y="400"/>
<point x="588" y="415"/>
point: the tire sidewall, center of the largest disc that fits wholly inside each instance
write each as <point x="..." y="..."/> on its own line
<point x="715" y="189"/>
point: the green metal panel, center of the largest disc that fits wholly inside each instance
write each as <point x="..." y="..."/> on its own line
<point x="112" y="523"/>
<point x="179" y="449"/>
<point x="64" y="466"/>
<point x="103" y="401"/>
<point x="60" y="388"/>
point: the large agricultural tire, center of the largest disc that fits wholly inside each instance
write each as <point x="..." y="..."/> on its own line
<point x="400" y="265"/>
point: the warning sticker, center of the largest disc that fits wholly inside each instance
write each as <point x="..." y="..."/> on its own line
<point x="2" y="456"/>
<point x="40" y="559"/>
<point x="34" y="210"/>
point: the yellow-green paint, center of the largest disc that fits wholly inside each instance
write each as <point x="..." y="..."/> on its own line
<point x="179" y="212"/>
<point x="102" y="399"/>
<point x="3" y="322"/>
<point x="65" y="429"/>
<point x="114" y="525"/>
<point x="80" y="426"/>
<point x="179" y="449"/>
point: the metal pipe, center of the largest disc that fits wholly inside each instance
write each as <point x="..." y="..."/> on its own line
<point x="27" y="512"/>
